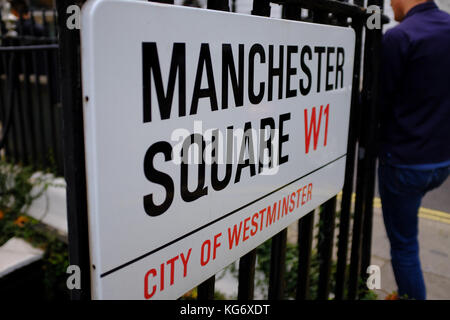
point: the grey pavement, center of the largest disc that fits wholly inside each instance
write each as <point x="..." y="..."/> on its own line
<point x="438" y="199"/>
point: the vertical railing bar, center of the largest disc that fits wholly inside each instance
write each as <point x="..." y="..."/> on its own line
<point x="305" y="238"/>
<point x="310" y="14"/>
<point x="49" y="75"/>
<point x="45" y="24"/>
<point x="20" y="29"/>
<point x="21" y="117"/>
<point x="277" y="266"/>
<point x="15" y="131"/>
<point x="246" y="278"/>
<point x="247" y="262"/>
<point x="261" y="8"/>
<point x="32" y="23"/>
<point x="74" y="160"/>
<point x="366" y="241"/>
<point x="292" y="12"/>
<point x="3" y="109"/>
<point x="325" y="247"/>
<point x="366" y="158"/>
<point x="9" y="69"/>
<point x="9" y="106"/>
<point x="371" y="147"/>
<point x="222" y="5"/>
<point x="347" y="191"/>
<point x="40" y="116"/>
<point x="356" y="236"/>
<point x="10" y="103"/>
<point x="2" y="26"/>
<point x="341" y="19"/>
<point x="205" y="291"/>
<point x="357" y="219"/>
<point x="30" y="109"/>
<point x="58" y="109"/>
<point x="2" y="96"/>
<point x="55" y="24"/>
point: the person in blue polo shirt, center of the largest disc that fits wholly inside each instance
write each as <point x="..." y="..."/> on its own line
<point x="414" y="154"/>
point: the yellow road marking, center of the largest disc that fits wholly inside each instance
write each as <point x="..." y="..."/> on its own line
<point x="425" y="213"/>
<point x="444" y="220"/>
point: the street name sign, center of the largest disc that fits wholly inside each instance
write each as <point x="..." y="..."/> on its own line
<point x="206" y="134"/>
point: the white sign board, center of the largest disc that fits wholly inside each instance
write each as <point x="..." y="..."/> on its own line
<point x="265" y="101"/>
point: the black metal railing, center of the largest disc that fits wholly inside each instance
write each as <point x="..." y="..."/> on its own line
<point x="30" y="103"/>
<point x="351" y="226"/>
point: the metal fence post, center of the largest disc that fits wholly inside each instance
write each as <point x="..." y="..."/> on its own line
<point x="325" y="247"/>
<point x="205" y="291"/>
<point x="372" y="143"/>
<point x="277" y="266"/>
<point x="366" y="158"/>
<point x="347" y="191"/>
<point x="74" y="163"/>
<point x="246" y="278"/>
<point x="305" y="237"/>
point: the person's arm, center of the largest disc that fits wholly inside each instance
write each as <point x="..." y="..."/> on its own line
<point x="394" y="61"/>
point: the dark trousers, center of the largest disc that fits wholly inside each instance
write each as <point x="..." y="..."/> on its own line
<point x="401" y="191"/>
